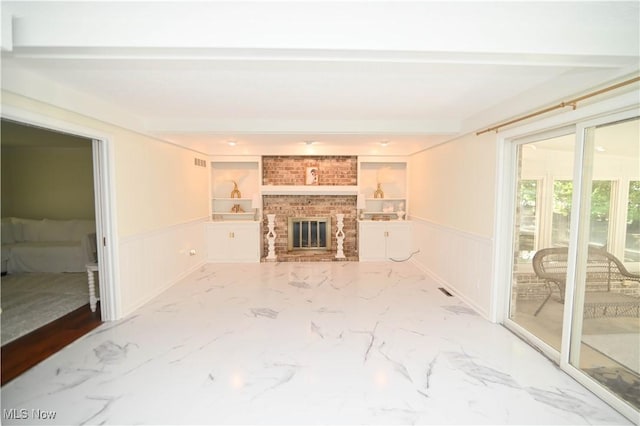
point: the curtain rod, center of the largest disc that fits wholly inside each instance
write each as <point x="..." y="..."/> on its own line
<point x="572" y="103"/>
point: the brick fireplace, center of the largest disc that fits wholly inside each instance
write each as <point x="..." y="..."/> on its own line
<point x="332" y="171"/>
<point x="285" y="206"/>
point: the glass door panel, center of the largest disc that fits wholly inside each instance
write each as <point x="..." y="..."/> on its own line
<point x="605" y="330"/>
<point x="632" y="235"/>
<point x="542" y="216"/>
<point x="562" y="194"/>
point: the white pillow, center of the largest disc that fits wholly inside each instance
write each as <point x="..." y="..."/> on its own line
<point x="56" y="230"/>
<point x="8" y="236"/>
<point x="30" y="229"/>
<point x="18" y="232"/>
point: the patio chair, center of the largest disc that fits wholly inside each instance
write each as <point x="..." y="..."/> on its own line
<point x="603" y="269"/>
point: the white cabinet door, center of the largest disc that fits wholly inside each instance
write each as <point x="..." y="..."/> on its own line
<point x="398" y="240"/>
<point x="217" y="242"/>
<point x="233" y="241"/>
<point x="372" y="245"/>
<point x="245" y="244"/>
<point x="384" y="240"/>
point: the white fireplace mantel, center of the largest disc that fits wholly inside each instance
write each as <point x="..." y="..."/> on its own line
<point x="309" y="189"/>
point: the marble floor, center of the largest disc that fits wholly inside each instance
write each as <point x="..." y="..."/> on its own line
<point x="302" y="343"/>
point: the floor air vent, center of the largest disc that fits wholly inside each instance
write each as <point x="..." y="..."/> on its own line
<point x="444" y="290"/>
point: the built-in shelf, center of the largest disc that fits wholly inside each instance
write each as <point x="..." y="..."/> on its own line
<point x="233" y="217"/>
<point x="386" y="218"/>
<point x="235" y="214"/>
<point x="309" y="189"/>
<point x="389" y="175"/>
<point x="380" y="212"/>
<point x="244" y="172"/>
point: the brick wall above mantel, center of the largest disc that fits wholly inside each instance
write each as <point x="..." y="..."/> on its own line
<point x="291" y="170"/>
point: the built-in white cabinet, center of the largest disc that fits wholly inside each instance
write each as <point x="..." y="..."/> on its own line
<point x="233" y="241"/>
<point x="384" y="240"/>
<point x="382" y="187"/>
<point x="235" y="188"/>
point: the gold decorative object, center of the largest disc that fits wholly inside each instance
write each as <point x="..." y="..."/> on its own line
<point x="236" y="192"/>
<point x="378" y="193"/>
<point x="237" y="208"/>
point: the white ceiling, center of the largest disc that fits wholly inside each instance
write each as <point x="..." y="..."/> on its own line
<point x="347" y="74"/>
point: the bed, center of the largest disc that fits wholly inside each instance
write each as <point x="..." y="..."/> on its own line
<point x="46" y="245"/>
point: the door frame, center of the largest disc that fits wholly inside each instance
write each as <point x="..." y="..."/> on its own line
<point x="604" y="111"/>
<point x="104" y="196"/>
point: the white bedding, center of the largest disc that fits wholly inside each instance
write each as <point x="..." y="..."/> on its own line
<point x="59" y="256"/>
<point x="45" y="245"/>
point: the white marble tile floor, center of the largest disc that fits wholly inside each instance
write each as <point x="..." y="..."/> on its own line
<point x="302" y="343"/>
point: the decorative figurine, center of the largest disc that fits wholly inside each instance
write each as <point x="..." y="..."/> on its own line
<point x="378" y="193"/>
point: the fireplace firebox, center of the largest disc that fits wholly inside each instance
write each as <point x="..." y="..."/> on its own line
<point x="309" y="233"/>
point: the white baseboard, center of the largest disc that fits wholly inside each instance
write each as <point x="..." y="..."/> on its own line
<point x="451" y="289"/>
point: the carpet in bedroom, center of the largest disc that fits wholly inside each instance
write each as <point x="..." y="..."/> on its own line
<point x="32" y="300"/>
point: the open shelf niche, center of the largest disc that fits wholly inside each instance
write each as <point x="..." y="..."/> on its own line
<point x="246" y="173"/>
<point x="389" y="174"/>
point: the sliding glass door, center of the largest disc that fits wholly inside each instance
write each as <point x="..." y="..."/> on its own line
<point x="542" y="215"/>
<point x="575" y="268"/>
<point x="605" y="334"/>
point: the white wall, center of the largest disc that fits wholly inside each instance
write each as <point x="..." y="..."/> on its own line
<point x="452" y="193"/>
<point x="160" y="195"/>
<point x="157" y="184"/>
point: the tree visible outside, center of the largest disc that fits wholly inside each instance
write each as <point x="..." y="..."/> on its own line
<point x="632" y="240"/>
<point x="599" y="217"/>
<point x="633" y="211"/>
<point x="600" y="208"/>
<point x="528" y="193"/>
<point x="562" y="193"/>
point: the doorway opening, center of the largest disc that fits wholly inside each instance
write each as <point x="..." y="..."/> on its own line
<point x="55" y="223"/>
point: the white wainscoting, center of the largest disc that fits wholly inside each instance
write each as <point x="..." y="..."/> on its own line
<point x="154" y="261"/>
<point x="459" y="261"/>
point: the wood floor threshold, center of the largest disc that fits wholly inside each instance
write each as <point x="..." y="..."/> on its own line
<point x="29" y="350"/>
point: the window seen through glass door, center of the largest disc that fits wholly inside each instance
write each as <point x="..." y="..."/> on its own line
<point x="542" y="219"/>
<point x="632" y="236"/>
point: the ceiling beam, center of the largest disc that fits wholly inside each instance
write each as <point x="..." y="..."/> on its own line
<point x="556" y="28"/>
